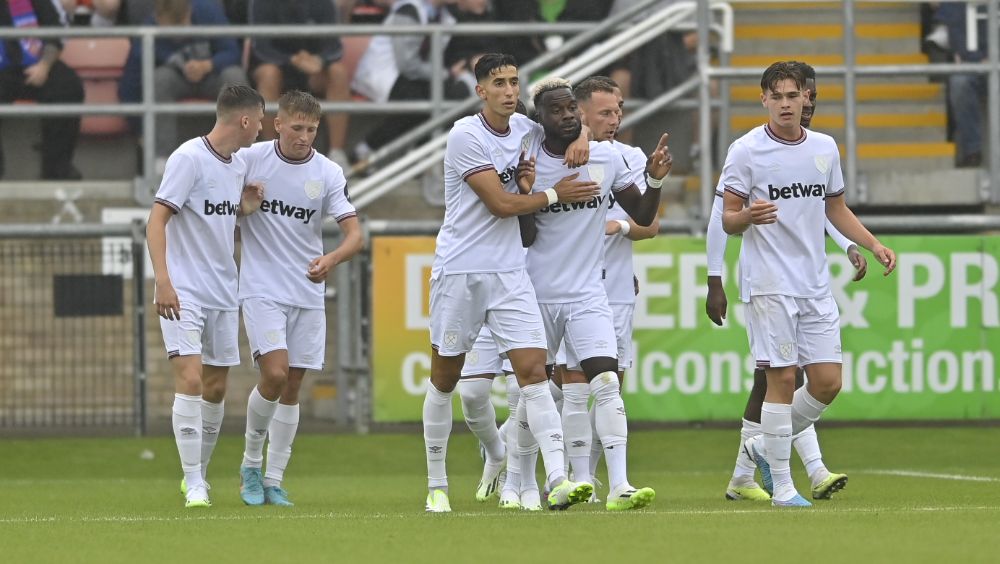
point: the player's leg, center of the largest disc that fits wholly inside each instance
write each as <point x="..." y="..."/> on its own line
<point x="806" y="444"/>
<point x="590" y="344"/>
<point x="820" y="354"/>
<point x="280" y="436"/>
<point x="576" y="423"/>
<point x="742" y="484"/>
<point x="267" y="324"/>
<point x="183" y="341"/>
<point x="772" y="327"/>
<point x="220" y="350"/>
<point x="475" y="388"/>
<point x="510" y="495"/>
<point x="437" y="419"/>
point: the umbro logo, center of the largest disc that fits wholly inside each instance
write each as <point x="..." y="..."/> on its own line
<point x="556" y="437"/>
<point x="523" y="424"/>
<point x="188" y="431"/>
<point x="435" y="449"/>
<point x="579" y="444"/>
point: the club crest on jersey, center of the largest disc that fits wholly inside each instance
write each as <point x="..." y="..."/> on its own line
<point x="596" y="172"/>
<point x="313" y="188"/>
<point x="822" y="163"/>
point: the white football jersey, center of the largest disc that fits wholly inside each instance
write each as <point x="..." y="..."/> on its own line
<point x="567" y="258"/>
<point x="618" y="270"/>
<point x="286" y="233"/>
<point x="787" y="257"/>
<point x="203" y="190"/>
<point x="473" y="240"/>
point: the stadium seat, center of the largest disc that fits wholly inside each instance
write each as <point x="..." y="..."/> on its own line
<point x="99" y="63"/>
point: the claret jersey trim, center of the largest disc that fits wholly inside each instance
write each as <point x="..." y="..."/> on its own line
<point x="289" y="160"/>
<point x="774" y="136"/>
<point x="218" y="155"/>
<point x="489" y="127"/>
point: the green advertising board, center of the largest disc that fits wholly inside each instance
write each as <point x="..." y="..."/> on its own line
<point x="920" y="344"/>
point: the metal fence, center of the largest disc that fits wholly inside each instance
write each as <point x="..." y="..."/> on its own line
<point x="72" y="328"/>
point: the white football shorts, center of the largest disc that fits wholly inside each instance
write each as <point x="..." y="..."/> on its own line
<point x="587" y="327"/>
<point x="504" y="301"/>
<point x="211" y="333"/>
<point x="272" y="326"/>
<point x="483" y="359"/>
<point x="788" y="331"/>
<point x="623" y="315"/>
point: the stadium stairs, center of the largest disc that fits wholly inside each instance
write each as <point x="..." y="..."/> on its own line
<point x="904" y="154"/>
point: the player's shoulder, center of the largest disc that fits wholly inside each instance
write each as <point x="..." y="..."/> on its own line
<point x="821" y="139"/>
<point x="330" y="169"/>
<point x="632" y="154"/>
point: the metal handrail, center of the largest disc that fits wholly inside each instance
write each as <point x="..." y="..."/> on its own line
<point x="429" y="154"/>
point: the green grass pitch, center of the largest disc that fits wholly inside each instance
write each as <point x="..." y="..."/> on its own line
<point x="915" y="495"/>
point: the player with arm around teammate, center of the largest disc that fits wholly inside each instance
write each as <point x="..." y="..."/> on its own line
<point x="191" y="239"/>
<point x="282" y="284"/>
<point x="565" y="263"/>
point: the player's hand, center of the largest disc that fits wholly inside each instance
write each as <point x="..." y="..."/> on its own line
<point x="763" y="212"/>
<point x="525" y="174"/>
<point x="37" y="74"/>
<point x="166" y="302"/>
<point x="886" y="257"/>
<point x="612" y="228"/>
<point x="253" y="195"/>
<point x="319" y="268"/>
<point x="716" y="302"/>
<point x="570" y="190"/>
<point x="660" y="161"/>
<point x="859" y="261"/>
<point x="578" y="152"/>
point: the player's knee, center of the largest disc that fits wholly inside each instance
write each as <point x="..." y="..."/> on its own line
<point x="214" y="391"/>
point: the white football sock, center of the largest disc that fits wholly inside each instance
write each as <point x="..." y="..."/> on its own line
<point x="481" y="416"/>
<point x="806" y="444"/>
<point x="745" y="466"/>
<point x="259" y="414"/>
<point x="612" y="425"/>
<point x="543" y="421"/>
<point x="557" y="395"/>
<point x="187" y="433"/>
<point x="528" y="451"/>
<point x="280" y="436"/>
<point x="437" y="429"/>
<point x="509" y="434"/>
<point x="596" y="448"/>
<point x="806" y="410"/>
<point x="576" y="430"/>
<point x="776" y="425"/>
<point x="211" y="423"/>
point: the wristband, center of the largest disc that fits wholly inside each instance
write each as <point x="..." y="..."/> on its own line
<point x="551" y="195"/>
<point x="626" y="227"/>
<point x="654" y="182"/>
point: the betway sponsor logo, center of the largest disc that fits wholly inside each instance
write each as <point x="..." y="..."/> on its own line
<point x="507" y="175"/>
<point x="796" y="190"/>
<point x="592" y="204"/>
<point x="221" y="208"/>
<point x="278" y="207"/>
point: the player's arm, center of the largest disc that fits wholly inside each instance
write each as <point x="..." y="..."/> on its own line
<point x="529" y="229"/>
<point x="642" y="207"/>
<point x="858" y="260"/>
<point x="847" y="223"/>
<point x="632" y="230"/>
<point x="351" y="244"/>
<point x="486" y="184"/>
<point x="253" y="195"/>
<point x="167" y="304"/>
<point x="578" y="152"/>
<point x="716" y="302"/>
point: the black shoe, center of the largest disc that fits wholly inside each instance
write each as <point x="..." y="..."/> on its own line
<point x="974" y="160"/>
<point x="69" y="172"/>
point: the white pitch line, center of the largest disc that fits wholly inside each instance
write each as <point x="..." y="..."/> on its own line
<point x="932" y="475"/>
<point x="384" y="516"/>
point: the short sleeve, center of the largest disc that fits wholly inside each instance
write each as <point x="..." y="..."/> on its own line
<point x="835" y="177"/>
<point x="466" y="154"/>
<point x="337" y="201"/>
<point x="636" y="160"/>
<point x="624" y="177"/>
<point x="179" y="178"/>
<point x="736" y="176"/>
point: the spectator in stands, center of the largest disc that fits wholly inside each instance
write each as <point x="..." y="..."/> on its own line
<point x="309" y="64"/>
<point x="523" y="48"/>
<point x="31" y="69"/>
<point x="966" y="92"/>
<point x="399" y="67"/>
<point x="96" y="13"/>
<point x="185" y="67"/>
<point x="463" y="51"/>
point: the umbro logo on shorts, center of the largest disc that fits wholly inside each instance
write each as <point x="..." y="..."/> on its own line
<point x="796" y="190"/>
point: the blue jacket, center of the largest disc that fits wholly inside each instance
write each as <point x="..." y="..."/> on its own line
<point x="225" y="51"/>
<point x="952" y="15"/>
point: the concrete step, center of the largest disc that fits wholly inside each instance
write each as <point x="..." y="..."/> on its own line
<point x="799" y="13"/>
<point x="811" y="39"/>
<point x="902" y="186"/>
<point x="829" y="59"/>
<point x="814" y="32"/>
<point x="828" y="120"/>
